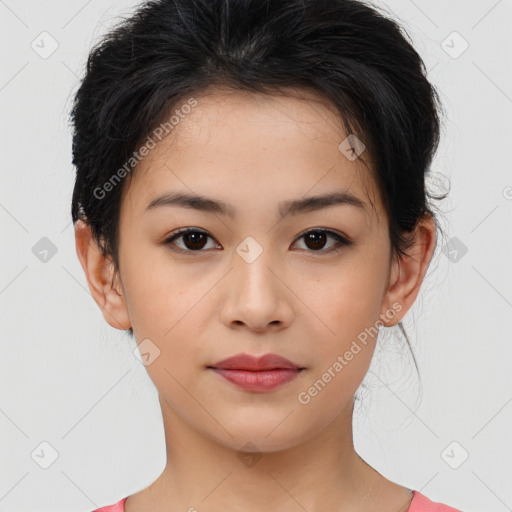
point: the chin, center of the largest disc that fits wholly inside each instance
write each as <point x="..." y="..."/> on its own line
<point x="265" y="435"/>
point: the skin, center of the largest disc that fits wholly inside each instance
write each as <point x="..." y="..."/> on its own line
<point x="298" y="300"/>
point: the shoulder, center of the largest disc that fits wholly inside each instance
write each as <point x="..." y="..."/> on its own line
<point x="420" y="503"/>
<point x="117" y="507"/>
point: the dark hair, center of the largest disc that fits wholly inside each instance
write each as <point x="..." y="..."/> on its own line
<point x="346" y="51"/>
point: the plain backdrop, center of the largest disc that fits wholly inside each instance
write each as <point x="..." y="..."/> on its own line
<point x="80" y="423"/>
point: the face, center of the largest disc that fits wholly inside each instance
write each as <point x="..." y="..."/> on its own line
<point x="254" y="276"/>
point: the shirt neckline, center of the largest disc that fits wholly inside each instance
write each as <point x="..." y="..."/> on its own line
<point x="409" y="508"/>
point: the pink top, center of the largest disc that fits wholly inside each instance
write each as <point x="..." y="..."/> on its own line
<point x="419" y="503"/>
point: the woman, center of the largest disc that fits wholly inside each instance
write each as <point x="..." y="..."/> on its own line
<point x="250" y="204"/>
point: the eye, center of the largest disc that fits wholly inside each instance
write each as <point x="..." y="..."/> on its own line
<point x="316" y="238"/>
<point x="193" y="239"/>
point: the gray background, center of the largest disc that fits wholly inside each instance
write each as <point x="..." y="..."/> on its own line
<point x="70" y="386"/>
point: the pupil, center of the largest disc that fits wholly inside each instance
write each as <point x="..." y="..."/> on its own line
<point x="193" y="237"/>
<point x="311" y="237"/>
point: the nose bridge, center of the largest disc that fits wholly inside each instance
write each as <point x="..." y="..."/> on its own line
<point x="253" y="266"/>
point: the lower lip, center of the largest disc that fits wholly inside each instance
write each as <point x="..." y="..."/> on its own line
<point x="258" y="380"/>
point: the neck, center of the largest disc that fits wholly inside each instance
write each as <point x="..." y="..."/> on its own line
<point x="324" y="472"/>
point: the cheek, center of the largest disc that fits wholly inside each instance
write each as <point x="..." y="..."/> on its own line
<point x="345" y="342"/>
<point x="171" y="309"/>
<point x="343" y="316"/>
<point x="158" y="292"/>
<point x="347" y="300"/>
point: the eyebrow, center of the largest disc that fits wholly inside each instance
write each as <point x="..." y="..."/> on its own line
<point x="293" y="207"/>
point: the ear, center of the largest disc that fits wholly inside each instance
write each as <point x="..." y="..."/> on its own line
<point x="99" y="271"/>
<point x="407" y="273"/>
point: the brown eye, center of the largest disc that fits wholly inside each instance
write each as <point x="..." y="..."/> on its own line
<point x="316" y="239"/>
<point x="193" y="240"/>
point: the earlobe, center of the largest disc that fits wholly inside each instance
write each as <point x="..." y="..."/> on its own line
<point x="394" y="307"/>
<point x="99" y="272"/>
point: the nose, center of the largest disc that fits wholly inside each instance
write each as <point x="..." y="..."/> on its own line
<point x="256" y="296"/>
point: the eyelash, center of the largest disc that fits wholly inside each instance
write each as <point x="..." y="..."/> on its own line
<point x="341" y="241"/>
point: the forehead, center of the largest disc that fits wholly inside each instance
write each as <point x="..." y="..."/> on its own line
<point x="285" y="145"/>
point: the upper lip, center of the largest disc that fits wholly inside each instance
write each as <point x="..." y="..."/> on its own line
<point x="248" y="362"/>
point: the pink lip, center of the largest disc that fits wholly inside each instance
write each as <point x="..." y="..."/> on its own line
<point x="248" y="362"/>
<point x="257" y="373"/>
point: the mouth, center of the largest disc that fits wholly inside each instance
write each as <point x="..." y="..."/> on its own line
<point x="257" y="374"/>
